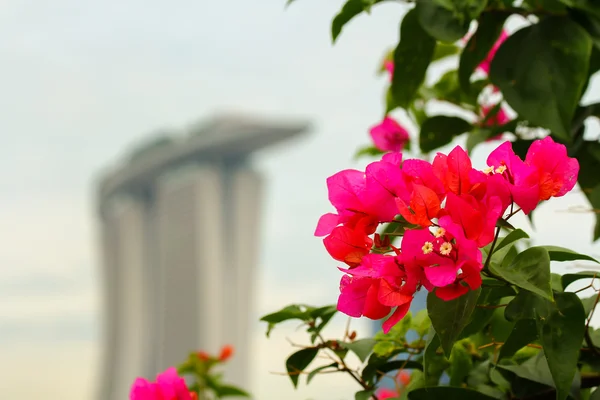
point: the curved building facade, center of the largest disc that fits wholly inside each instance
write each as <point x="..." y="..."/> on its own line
<point x="179" y="226"/>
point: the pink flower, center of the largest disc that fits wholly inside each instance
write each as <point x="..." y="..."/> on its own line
<point x="557" y="173"/>
<point x="389" y="135"/>
<point x="389" y="66"/>
<point x="348" y="245"/>
<point x="385" y="394"/>
<point x="485" y="64"/>
<point x="168" y="386"/>
<point x="453" y="170"/>
<point x="498" y="119"/>
<point x="522" y="179"/>
<point x="477" y="218"/>
<point x="372" y="289"/>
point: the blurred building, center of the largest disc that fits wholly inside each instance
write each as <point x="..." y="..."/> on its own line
<point x="179" y="223"/>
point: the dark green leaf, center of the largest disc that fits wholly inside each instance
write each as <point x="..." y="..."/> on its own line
<point x="528" y="305"/>
<point x="447" y="393"/>
<point x="439" y="130"/>
<point x="364" y="394"/>
<point x="589" y="304"/>
<point x="524" y="333"/>
<point x="448" y="24"/>
<point x="298" y="362"/>
<point x="450" y="317"/>
<point x="479" y="45"/>
<point x="529" y="270"/>
<point x="484" y="310"/>
<point x="315" y="371"/>
<point x="430" y="353"/>
<point x="544" y="89"/>
<point x="351" y="9"/>
<point x="562" y="254"/>
<point x="287" y="313"/>
<point x="535" y="369"/>
<point x="362" y="348"/>
<point x="567" y="279"/>
<point x="590" y="6"/>
<point x="411" y="60"/>
<point x="561" y="336"/>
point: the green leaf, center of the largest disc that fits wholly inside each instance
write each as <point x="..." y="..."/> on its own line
<point x="523" y="333"/>
<point x="287" y="313"/>
<point x="512" y="237"/>
<point x="479" y="45"/>
<point x="448" y="22"/>
<point x="561" y="336"/>
<point x="567" y="279"/>
<point x="351" y="9"/>
<point x="430" y="353"/>
<point x="544" y="89"/>
<point x="439" y="130"/>
<point x="562" y="254"/>
<point x="362" y="348"/>
<point x="460" y="365"/>
<point x="447" y="393"/>
<point x="449" y="318"/>
<point x="411" y="60"/>
<point x="368" y="151"/>
<point x="481" y="315"/>
<point x="528" y="305"/>
<point x="443" y="50"/>
<point x="590" y="6"/>
<point x="298" y="362"/>
<point x="315" y="371"/>
<point x="529" y="270"/>
<point x="535" y="369"/>
<point x="230" y="391"/>
<point x="364" y="394"/>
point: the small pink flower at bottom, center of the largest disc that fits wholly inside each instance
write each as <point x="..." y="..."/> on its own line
<point x="168" y="386"/>
<point x="385" y="394"/>
<point x="389" y="135"/>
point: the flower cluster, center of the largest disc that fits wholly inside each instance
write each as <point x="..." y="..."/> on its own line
<point x="168" y="386"/>
<point x="449" y="211"/>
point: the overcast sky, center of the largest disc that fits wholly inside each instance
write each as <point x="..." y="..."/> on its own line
<point x="82" y="81"/>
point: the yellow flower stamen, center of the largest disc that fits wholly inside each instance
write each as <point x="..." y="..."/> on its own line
<point x="500" y="169"/>
<point x="427" y="248"/>
<point x="488" y="170"/>
<point x="439" y="232"/>
<point x="445" y="248"/>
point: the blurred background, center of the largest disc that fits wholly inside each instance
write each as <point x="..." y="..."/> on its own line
<point x="84" y="82"/>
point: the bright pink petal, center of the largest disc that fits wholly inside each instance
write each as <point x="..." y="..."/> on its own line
<point x="451" y="292"/>
<point x="143" y="390"/>
<point x="353" y="295"/>
<point x="395" y="317"/>
<point x="373" y="308"/>
<point x="326" y="224"/>
<point x="442" y="274"/>
<point x="344" y="188"/>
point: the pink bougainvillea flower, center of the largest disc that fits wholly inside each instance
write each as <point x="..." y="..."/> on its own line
<point x="499" y="118"/>
<point x="485" y="64"/>
<point x="348" y="245"/>
<point x="389" y="135"/>
<point x="557" y="172"/>
<point x="521" y="178"/>
<point x="453" y="170"/>
<point x="168" y="386"/>
<point x="477" y="218"/>
<point x="386" y="394"/>
<point x="421" y="172"/>
<point x="468" y="277"/>
<point x="424" y="206"/>
<point x="442" y="253"/>
<point x="374" y="288"/>
<point x="389" y="66"/>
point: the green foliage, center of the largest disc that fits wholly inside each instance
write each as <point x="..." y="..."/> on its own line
<point x="447" y="393"/>
<point x="297" y="362"/>
<point x="411" y="59"/>
<point x="544" y="89"/>
<point x="449" y="318"/>
<point x="351" y="9"/>
<point x="529" y="270"/>
<point x="439" y="130"/>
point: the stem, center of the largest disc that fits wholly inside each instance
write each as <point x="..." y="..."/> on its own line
<point x="489" y="257"/>
<point x="349" y="371"/>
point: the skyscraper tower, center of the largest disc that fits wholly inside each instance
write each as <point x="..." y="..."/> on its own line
<point x="179" y="226"/>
